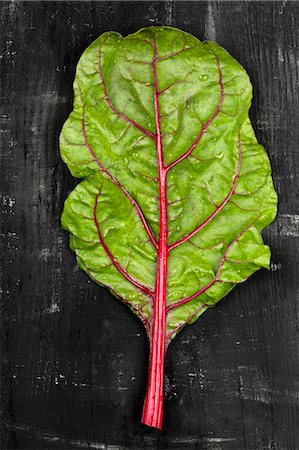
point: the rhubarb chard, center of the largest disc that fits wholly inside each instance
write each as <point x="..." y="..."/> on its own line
<point x="176" y="189"/>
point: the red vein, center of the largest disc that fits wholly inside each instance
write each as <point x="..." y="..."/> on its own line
<point x="171" y="85"/>
<point x="184" y="323"/>
<point x="216" y="277"/>
<point x="140" y="286"/>
<point x="219" y="208"/>
<point x="114" y="109"/>
<point x="170" y="55"/>
<point x="173" y="54"/>
<point x="115" y="181"/>
<point x="206" y="125"/>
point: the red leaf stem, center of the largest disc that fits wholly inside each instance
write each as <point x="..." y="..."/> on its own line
<point x="153" y="405"/>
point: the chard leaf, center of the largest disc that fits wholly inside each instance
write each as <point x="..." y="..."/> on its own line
<point x="176" y="188"/>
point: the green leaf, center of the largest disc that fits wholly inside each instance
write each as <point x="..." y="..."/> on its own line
<point x="176" y="188"/>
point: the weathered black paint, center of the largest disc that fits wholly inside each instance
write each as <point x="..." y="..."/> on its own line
<point x="75" y="358"/>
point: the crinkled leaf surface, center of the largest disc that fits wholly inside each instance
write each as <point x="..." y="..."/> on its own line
<point x="219" y="189"/>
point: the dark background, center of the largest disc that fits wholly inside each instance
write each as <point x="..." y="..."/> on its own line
<point x="75" y="359"/>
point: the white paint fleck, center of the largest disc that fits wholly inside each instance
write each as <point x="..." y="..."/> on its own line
<point x="286" y="225"/>
<point x="254" y="387"/>
<point x="54" y="308"/>
<point x="68" y="443"/>
<point x="210" y="30"/>
<point x="289" y="224"/>
<point x="12" y="143"/>
<point x="12" y="235"/>
<point x="122" y="388"/>
<point x="12" y="7"/>
<point x="169" y="12"/>
<point x="45" y="254"/>
<point x="8" y="201"/>
<point x="282" y="8"/>
<point x="275" y="266"/>
<point x="280" y="56"/>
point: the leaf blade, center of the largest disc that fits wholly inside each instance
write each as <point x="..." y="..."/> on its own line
<point x="220" y="192"/>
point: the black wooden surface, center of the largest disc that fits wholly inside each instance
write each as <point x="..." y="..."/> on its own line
<point x="75" y="359"/>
